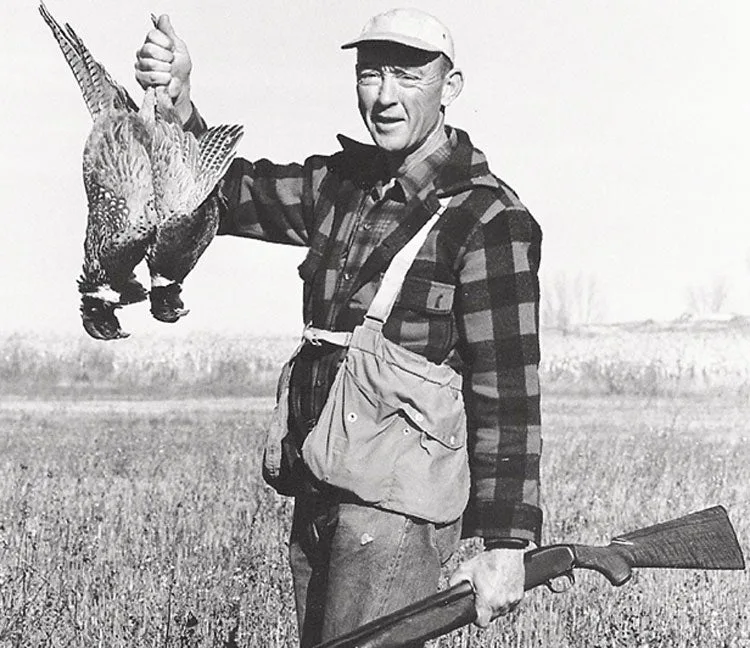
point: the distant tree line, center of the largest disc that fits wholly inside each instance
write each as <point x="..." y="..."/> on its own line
<point x="570" y="300"/>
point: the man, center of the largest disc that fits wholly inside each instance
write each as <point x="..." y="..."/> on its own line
<point x="470" y="299"/>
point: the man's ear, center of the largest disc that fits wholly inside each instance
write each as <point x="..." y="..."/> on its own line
<point x="452" y="86"/>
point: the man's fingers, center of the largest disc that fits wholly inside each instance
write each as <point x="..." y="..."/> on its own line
<point x="497" y="578"/>
<point x="484" y="615"/>
<point x="152" y="78"/>
<point x="160" y="39"/>
<point x="460" y="576"/>
<point x="163" y="60"/>
<point x="153" y="51"/>
<point x="152" y="65"/>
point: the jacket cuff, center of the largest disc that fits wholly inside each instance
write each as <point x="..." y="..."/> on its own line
<point x="494" y="520"/>
<point x="506" y="543"/>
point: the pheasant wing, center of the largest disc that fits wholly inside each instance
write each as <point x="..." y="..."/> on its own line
<point x="187" y="221"/>
<point x="217" y="147"/>
<point x="174" y="158"/>
<point x="185" y="171"/>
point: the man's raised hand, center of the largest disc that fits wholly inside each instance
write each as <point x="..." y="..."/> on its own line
<point x="164" y="60"/>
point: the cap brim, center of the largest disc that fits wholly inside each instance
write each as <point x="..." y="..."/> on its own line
<point x="392" y="37"/>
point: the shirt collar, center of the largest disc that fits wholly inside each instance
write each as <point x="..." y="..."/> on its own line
<point x="422" y="168"/>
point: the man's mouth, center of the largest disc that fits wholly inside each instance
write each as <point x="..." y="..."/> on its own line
<point x="385" y="120"/>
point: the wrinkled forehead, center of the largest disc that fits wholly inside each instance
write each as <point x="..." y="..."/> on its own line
<point x="383" y="53"/>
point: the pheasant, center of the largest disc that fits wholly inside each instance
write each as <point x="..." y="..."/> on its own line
<point x="186" y="170"/>
<point x="150" y="193"/>
<point x="117" y="178"/>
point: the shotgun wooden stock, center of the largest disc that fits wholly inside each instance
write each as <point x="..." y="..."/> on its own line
<point x="702" y="540"/>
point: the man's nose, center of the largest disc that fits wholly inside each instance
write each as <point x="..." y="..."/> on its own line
<point x="388" y="90"/>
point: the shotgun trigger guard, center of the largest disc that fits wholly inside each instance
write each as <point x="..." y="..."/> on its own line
<point x="561" y="583"/>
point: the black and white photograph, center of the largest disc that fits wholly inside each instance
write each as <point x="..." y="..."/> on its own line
<point x="339" y="324"/>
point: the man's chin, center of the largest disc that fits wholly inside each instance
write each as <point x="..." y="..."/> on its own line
<point x="389" y="143"/>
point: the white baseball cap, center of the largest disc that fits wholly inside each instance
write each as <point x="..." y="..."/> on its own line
<point x="410" y="27"/>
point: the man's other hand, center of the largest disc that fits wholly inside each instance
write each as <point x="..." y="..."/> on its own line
<point x="497" y="577"/>
<point x="164" y="60"/>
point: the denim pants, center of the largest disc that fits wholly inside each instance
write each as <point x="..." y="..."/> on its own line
<point x="353" y="563"/>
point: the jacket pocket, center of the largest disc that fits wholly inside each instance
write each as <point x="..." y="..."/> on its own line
<point x="426" y="296"/>
<point x="422" y="319"/>
<point x="277" y="463"/>
<point x="307" y="271"/>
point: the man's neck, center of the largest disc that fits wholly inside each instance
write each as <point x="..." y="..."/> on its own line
<point x="399" y="164"/>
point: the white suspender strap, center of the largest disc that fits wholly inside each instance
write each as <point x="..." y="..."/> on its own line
<point x="390" y="286"/>
<point x="393" y="279"/>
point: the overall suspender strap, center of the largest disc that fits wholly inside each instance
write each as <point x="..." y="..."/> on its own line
<point x="394" y="276"/>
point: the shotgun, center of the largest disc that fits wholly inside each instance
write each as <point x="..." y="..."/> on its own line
<point x="702" y="540"/>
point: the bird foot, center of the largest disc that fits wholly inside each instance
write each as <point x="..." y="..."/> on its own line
<point x="166" y="305"/>
<point x="99" y="319"/>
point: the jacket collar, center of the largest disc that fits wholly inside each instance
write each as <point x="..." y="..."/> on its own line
<point x="465" y="168"/>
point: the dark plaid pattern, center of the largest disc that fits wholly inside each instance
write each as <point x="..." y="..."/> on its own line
<point x="470" y="299"/>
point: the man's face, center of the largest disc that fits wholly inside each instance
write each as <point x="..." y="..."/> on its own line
<point x="400" y="91"/>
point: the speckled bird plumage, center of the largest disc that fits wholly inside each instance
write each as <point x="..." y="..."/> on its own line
<point x="147" y="184"/>
<point x="119" y="189"/>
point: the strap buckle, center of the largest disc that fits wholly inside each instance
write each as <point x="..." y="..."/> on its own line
<point x="316" y="336"/>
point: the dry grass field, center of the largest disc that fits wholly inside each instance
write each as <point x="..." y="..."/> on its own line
<point x="137" y="523"/>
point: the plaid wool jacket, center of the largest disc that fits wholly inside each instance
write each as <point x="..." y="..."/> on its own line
<point x="470" y="299"/>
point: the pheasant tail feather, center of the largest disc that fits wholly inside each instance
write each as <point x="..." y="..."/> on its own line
<point x="98" y="88"/>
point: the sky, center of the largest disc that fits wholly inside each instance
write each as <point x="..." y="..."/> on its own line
<point x="622" y="125"/>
